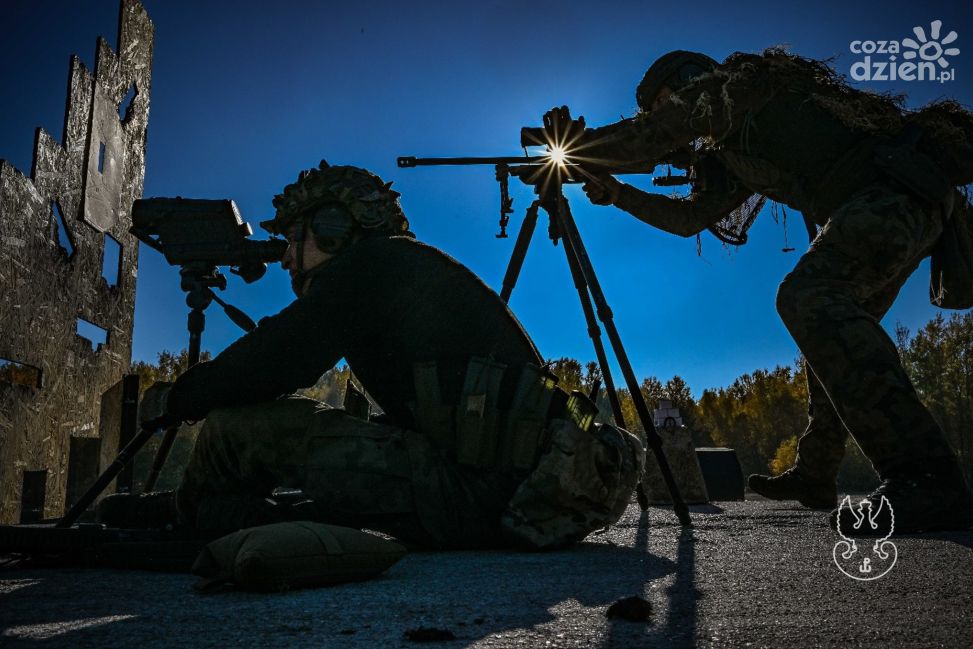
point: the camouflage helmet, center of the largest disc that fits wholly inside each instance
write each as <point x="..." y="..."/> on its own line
<point x="337" y="200"/>
<point x="673" y="70"/>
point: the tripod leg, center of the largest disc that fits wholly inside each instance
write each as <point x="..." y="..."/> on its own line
<point x="572" y="240"/>
<point x="161" y="455"/>
<point x="520" y="251"/>
<point x="595" y="334"/>
<point x="197" y="322"/>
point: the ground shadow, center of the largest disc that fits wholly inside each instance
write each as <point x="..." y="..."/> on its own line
<point x="472" y="594"/>
<point x="673" y="621"/>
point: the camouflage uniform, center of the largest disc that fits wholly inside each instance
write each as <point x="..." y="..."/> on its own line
<point x="832" y="303"/>
<point x="786" y="128"/>
<point x="384" y="304"/>
<point x="359" y="474"/>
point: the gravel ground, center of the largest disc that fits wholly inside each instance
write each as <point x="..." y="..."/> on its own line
<point x="748" y="574"/>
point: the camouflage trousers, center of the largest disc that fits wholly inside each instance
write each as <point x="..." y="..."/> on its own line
<point x="832" y="303"/>
<point x="359" y="474"/>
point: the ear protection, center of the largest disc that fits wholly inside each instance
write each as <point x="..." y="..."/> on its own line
<point x="332" y="221"/>
<point x="332" y="226"/>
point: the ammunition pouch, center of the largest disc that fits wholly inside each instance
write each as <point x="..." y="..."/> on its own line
<point x="522" y="433"/>
<point x="922" y="176"/>
<point x="478" y="413"/>
<point x="850" y="174"/>
<point x="501" y="417"/>
<point x="875" y="159"/>
<point x="912" y="171"/>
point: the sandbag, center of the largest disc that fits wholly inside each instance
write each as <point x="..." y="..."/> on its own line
<point x="288" y="556"/>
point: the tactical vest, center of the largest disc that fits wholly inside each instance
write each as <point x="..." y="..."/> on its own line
<point x="489" y="426"/>
<point x="578" y="476"/>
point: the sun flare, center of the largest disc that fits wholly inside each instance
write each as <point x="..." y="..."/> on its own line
<point x="557" y="155"/>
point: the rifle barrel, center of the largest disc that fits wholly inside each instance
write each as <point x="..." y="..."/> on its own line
<point x="413" y="161"/>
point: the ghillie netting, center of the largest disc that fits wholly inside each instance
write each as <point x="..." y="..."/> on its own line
<point x="946" y="125"/>
<point x="732" y="229"/>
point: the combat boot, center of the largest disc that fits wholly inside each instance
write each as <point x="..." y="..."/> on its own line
<point x="927" y="500"/>
<point x="792" y="484"/>
<point x="153" y="510"/>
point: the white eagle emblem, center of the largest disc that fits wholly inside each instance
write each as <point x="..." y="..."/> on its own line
<point x="862" y="523"/>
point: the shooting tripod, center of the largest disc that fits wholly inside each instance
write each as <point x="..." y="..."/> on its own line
<point x="198" y="279"/>
<point x="548" y="179"/>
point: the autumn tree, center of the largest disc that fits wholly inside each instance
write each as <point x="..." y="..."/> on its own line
<point x="939" y="360"/>
<point x="784" y="456"/>
<point x="167" y="367"/>
<point x="755" y="414"/>
<point x="572" y="376"/>
<point x="330" y="388"/>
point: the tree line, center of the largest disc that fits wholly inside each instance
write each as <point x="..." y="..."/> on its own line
<point x="761" y="414"/>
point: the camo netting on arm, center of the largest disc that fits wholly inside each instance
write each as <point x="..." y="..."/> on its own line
<point x="732" y="229"/>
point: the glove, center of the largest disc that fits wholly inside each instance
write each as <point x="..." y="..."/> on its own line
<point x="602" y="190"/>
<point x="153" y="405"/>
<point x="561" y="130"/>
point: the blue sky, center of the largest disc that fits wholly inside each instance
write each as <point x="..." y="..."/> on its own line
<point x="246" y="94"/>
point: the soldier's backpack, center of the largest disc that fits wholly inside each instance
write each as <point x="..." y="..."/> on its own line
<point x="583" y="482"/>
